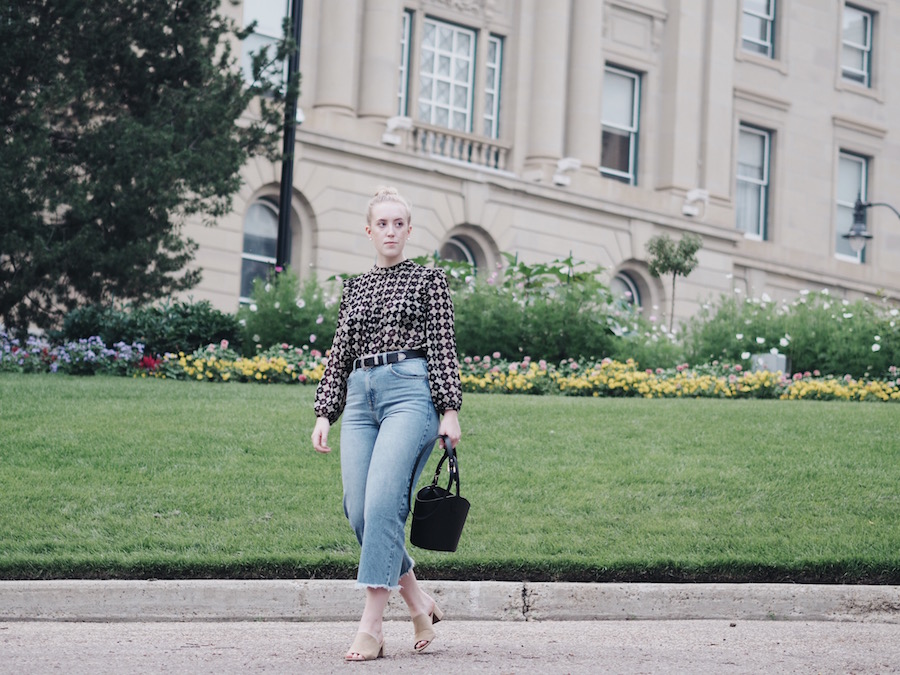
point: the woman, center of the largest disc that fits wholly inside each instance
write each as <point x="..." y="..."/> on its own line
<point x="393" y="373"/>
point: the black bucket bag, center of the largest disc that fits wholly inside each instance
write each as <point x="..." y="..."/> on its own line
<point x="438" y="513"/>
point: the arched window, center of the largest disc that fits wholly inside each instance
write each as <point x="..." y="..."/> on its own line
<point x="260" y="244"/>
<point x="457" y="250"/>
<point x="624" y="288"/>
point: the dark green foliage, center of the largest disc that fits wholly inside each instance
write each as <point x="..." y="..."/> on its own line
<point x="170" y="327"/>
<point x="548" y="311"/>
<point x="119" y="119"/>
<point x="284" y="310"/>
<point x="816" y="331"/>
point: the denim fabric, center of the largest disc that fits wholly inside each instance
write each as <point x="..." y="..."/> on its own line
<point x="388" y="418"/>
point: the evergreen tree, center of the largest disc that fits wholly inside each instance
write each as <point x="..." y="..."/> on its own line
<point x="119" y="119"/>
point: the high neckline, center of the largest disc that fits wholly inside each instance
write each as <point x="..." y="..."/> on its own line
<point x="387" y="270"/>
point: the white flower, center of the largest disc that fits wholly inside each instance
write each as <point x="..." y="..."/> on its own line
<point x="804" y="292"/>
<point x="268" y="287"/>
<point x="848" y="315"/>
<point x="277" y="305"/>
<point x="243" y="322"/>
<point x="894" y="312"/>
<point x="253" y="307"/>
<point x="877" y="338"/>
<point x="760" y="340"/>
<point x="256" y="338"/>
<point x="745" y="355"/>
<point x="784" y="342"/>
<point x="301" y="303"/>
<point x="876" y="347"/>
<point x="845" y="302"/>
<point x="826" y="305"/>
<point x="739" y="336"/>
<point x="766" y="298"/>
<point x="774" y="351"/>
<point x="825" y="291"/>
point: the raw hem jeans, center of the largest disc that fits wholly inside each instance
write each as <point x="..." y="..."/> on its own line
<point x="388" y="418"/>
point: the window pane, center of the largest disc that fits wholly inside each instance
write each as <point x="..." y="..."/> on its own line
<point x="850" y="179"/>
<point x="618" y="99"/>
<point x="261" y="231"/>
<point x="250" y="270"/>
<point x="751" y="156"/>
<point x="754" y="27"/>
<point x="749" y="207"/>
<point x="763" y="7"/>
<point x="269" y="15"/>
<point x="856" y="27"/>
<point x="616" y="150"/>
<point x="853" y="58"/>
<point x="844" y="221"/>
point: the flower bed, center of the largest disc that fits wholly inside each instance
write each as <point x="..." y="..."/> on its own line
<point x="285" y="364"/>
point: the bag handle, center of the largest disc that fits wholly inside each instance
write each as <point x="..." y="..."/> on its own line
<point x="449" y="454"/>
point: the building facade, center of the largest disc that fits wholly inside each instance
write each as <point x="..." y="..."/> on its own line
<point x="546" y="128"/>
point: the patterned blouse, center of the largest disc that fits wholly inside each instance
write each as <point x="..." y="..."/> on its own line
<point x="406" y="306"/>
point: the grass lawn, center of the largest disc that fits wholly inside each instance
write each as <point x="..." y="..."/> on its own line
<point x="104" y="477"/>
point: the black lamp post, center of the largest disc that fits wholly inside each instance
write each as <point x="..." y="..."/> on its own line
<point x="283" y="254"/>
<point x="858" y="236"/>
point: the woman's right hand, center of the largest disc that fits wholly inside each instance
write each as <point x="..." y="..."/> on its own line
<point x="320" y="435"/>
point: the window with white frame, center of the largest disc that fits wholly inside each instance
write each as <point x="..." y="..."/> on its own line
<point x="753" y="156"/>
<point x="856" y="46"/>
<point x="621" y="114"/>
<point x="445" y="94"/>
<point x="853" y="171"/>
<point x="260" y="244"/>
<point x="758" y="27"/>
<point x="447" y="75"/>
<point x="405" y="38"/>
<point x="492" y="87"/>
<point x="269" y="16"/>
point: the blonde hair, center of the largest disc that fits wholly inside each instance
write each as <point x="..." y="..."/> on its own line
<point x="388" y="194"/>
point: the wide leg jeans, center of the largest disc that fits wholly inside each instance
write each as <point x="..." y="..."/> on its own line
<point x="387" y="421"/>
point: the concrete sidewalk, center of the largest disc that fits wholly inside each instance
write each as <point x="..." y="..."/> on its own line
<point x="223" y="627"/>
<point x="329" y="600"/>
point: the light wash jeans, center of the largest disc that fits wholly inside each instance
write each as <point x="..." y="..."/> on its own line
<point x="388" y="418"/>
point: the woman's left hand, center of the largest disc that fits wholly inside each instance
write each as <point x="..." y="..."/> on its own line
<point x="450" y="427"/>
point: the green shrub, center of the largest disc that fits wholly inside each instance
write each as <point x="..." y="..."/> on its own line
<point x="548" y="311"/>
<point x="816" y="331"/>
<point x="166" y="327"/>
<point x="284" y="310"/>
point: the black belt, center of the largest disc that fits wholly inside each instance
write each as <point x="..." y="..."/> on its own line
<point x="387" y="357"/>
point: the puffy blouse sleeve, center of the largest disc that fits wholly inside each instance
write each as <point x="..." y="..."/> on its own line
<point x="440" y="346"/>
<point x="331" y="394"/>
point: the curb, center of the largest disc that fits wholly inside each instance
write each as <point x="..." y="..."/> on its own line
<point x="339" y="600"/>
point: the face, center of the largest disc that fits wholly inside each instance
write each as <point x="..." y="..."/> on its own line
<point x="389" y="229"/>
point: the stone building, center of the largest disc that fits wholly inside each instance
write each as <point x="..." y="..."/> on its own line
<point x="554" y="127"/>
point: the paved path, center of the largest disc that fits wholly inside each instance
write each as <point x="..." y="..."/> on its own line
<point x="462" y="647"/>
<point x="223" y="627"/>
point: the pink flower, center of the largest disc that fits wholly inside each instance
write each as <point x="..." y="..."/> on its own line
<point x="468" y="359"/>
<point x="738" y="367"/>
<point x="312" y="338"/>
<point x="284" y="345"/>
<point x="816" y="372"/>
<point x="301" y="377"/>
<point x="496" y="355"/>
<point x="659" y="371"/>
<point x="279" y="268"/>
<point x="495" y="369"/>
<point x="798" y="376"/>
<point x="320" y="319"/>
<point x="315" y="353"/>
<point x="542" y="364"/>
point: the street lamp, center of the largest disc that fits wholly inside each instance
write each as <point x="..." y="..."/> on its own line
<point x="858" y="236"/>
